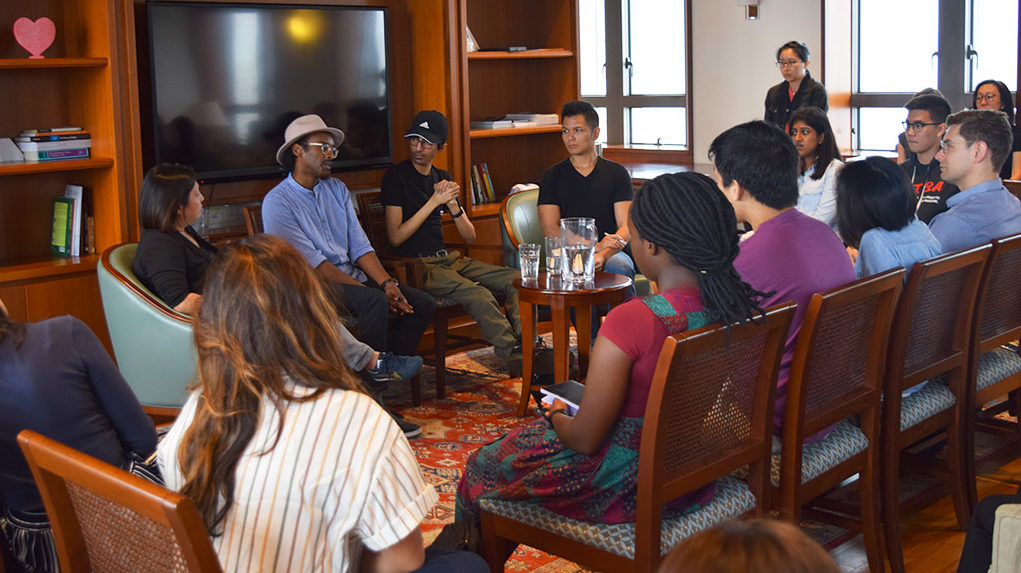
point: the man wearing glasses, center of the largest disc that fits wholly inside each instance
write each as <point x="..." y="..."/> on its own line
<point x="976" y="145"/>
<point x="925" y="125"/>
<point x="414" y="193"/>
<point x="313" y="211"/>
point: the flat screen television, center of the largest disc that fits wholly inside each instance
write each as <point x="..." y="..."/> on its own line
<point x="226" y="79"/>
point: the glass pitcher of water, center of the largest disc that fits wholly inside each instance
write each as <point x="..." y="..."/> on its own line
<point x="579" y="248"/>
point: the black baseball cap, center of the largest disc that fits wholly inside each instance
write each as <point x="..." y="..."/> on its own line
<point x="430" y="125"/>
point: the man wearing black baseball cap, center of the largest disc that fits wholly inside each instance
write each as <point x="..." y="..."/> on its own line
<point x="414" y="194"/>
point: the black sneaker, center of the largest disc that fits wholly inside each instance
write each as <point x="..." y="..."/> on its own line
<point x="410" y="429"/>
<point x="391" y="367"/>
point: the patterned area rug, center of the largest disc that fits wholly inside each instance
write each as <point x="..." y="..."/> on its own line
<point x="480" y="407"/>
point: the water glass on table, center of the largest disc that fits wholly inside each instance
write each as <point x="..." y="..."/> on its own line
<point x="554" y="255"/>
<point x="528" y="257"/>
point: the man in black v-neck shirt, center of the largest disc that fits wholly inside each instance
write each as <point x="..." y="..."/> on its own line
<point x="586" y="185"/>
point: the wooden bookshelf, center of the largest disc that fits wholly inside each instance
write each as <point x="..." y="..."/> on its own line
<point x="83" y="80"/>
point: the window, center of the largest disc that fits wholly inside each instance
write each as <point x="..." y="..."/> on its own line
<point x="634" y="69"/>
<point x="951" y="45"/>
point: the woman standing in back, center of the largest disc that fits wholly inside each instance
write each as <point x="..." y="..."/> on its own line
<point x="798" y="89"/>
<point x="994" y="94"/>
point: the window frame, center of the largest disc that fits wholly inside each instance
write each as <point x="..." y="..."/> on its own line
<point x="618" y="105"/>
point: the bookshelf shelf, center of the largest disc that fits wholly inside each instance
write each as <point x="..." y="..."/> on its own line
<point x="52" y="63"/>
<point x="524" y="55"/>
<point x="42" y="267"/>
<point x="30" y="167"/>
<point x="513" y="131"/>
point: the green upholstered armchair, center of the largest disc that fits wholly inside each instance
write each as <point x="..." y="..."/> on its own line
<point x="520" y="215"/>
<point x="152" y="342"/>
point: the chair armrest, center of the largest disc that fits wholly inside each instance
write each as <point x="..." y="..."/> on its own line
<point x="1007" y="539"/>
<point x="407" y="270"/>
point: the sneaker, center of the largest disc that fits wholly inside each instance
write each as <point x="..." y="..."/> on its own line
<point x="410" y="429"/>
<point x="391" y="367"/>
<point x="513" y="363"/>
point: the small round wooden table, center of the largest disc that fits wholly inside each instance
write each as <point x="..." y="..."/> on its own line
<point x="561" y="295"/>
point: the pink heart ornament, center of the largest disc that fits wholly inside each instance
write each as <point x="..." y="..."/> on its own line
<point x="35" y="36"/>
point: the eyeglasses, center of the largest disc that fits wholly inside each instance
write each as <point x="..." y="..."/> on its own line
<point x="327" y="149"/>
<point x="916" y="125"/>
<point x="946" y="144"/>
<point x="787" y="63"/>
<point x="987" y="97"/>
<point x="416" y="141"/>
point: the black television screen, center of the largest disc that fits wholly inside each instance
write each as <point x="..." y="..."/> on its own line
<point x="228" y="78"/>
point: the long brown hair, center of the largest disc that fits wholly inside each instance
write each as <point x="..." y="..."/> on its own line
<point x="265" y="321"/>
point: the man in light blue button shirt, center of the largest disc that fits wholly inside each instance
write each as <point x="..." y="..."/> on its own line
<point x="313" y="211"/>
<point x="976" y="144"/>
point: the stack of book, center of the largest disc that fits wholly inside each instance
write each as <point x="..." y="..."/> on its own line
<point x="482" y="185"/>
<point x="532" y="119"/>
<point x="54" y="143"/>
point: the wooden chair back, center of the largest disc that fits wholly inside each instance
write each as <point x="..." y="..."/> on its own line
<point x="998" y="311"/>
<point x="373" y="216"/>
<point x="932" y="324"/>
<point x="105" y="519"/>
<point x="253" y="219"/>
<point x="839" y="361"/>
<point x="709" y="413"/>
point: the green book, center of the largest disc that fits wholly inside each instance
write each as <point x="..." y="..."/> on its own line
<point x="60" y="239"/>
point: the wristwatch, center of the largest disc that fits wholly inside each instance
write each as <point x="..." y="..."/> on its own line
<point x="383" y="284"/>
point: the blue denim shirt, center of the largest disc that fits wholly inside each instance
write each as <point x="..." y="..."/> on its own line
<point x="977" y="215"/>
<point x="320" y="223"/>
<point x="882" y="250"/>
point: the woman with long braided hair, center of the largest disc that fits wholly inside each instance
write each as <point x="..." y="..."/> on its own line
<point x="684" y="236"/>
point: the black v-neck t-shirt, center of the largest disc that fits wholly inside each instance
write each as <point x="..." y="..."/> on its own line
<point x="587" y="196"/>
<point x="403" y="186"/>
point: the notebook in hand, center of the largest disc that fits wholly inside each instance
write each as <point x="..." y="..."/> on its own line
<point x="569" y="392"/>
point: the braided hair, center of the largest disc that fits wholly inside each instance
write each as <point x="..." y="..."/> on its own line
<point x="687" y="216"/>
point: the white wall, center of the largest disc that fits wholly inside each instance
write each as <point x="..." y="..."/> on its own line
<point x="734" y="59"/>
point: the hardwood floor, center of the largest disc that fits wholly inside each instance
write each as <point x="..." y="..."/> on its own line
<point x="932" y="543"/>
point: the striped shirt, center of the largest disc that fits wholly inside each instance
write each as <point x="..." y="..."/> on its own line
<point x="342" y="476"/>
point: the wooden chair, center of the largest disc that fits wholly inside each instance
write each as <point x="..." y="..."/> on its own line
<point x="253" y="219"/>
<point x="709" y="414"/>
<point x="105" y="519"/>
<point x="835" y="382"/>
<point x="993" y="369"/>
<point x="411" y="271"/>
<point x="930" y="338"/>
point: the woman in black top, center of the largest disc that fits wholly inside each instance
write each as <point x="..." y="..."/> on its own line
<point x="172" y="258"/>
<point x="798" y="88"/>
<point x="994" y="94"/>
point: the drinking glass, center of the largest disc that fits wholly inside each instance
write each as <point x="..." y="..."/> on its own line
<point x="579" y="248"/>
<point x="528" y="257"/>
<point x="554" y="256"/>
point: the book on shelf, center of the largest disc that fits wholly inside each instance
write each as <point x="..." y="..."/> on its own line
<point x="53" y="137"/>
<point x="56" y="154"/>
<point x="569" y="392"/>
<point x="520" y="119"/>
<point x="488" y="181"/>
<point x="491" y="124"/>
<point x="64" y="129"/>
<point x="53" y="145"/>
<point x="60" y="236"/>
<point x="476" y="185"/>
<point x="75" y="194"/>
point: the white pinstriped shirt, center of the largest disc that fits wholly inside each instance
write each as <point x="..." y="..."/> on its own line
<point x="341" y="477"/>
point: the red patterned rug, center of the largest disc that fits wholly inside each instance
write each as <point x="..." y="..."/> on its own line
<point x="480" y="407"/>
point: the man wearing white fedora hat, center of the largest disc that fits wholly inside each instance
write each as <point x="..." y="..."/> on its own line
<point x="313" y="211"/>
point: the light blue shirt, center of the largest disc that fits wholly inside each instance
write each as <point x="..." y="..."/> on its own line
<point x="817" y="198"/>
<point x="881" y="250"/>
<point x="977" y="215"/>
<point x="320" y="223"/>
